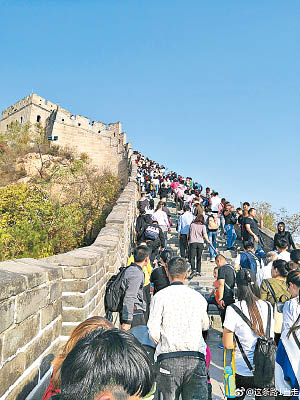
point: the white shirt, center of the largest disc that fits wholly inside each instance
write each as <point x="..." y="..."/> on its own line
<point x="284" y="255"/>
<point x="177" y="317"/>
<point x="162" y="218"/>
<point x="215" y="201"/>
<point x="291" y="311"/>
<point x="234" y="323"/>
<point x="264" y="273"/>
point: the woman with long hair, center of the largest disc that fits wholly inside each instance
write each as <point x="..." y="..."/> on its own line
<point x="197" y="235"/>
<point x="159" y="278"/>
<point x="79" y="332"/>
<point x="256" y="310"/>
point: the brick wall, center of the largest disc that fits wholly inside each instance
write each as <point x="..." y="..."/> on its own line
<point x="41" y="301"/>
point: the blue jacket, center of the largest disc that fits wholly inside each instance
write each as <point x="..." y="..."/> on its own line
<point x="184" y="223"/>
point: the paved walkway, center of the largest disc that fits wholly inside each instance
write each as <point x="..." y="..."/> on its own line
<point x="204" y="285"/>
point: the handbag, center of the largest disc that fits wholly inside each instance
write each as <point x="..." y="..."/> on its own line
<point x="229" y="376"/>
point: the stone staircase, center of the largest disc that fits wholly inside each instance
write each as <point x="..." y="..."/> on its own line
<point x="204" y="285"/>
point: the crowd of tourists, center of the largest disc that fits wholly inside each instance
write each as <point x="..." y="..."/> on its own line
<point x="160" y="348"/>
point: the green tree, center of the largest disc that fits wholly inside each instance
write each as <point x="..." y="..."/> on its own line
<point x="269" y="216"/>
<point x="31" y="225"/>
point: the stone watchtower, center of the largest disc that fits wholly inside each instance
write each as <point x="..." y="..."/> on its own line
<point x="104" y="143"/>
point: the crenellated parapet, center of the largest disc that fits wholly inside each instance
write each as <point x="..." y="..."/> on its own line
<point x="103" y="143"/>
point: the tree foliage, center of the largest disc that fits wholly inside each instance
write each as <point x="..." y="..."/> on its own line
<point x="272" y="218"/>
<point x="269" y="217"/>
<point x="292" y="221"/>
<point x="31" y="225"/>
<point x="62" y="208"/>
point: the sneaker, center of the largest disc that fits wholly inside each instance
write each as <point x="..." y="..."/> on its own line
<point x="212" y="260"/>
<point x="192" y="274"/>
<point x="220" y="345"/>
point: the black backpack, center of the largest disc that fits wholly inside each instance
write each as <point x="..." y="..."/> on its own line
<point x="114" y="292"/>
<point x="264" y="354"/>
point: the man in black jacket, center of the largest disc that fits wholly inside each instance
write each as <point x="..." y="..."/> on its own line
<point x="163" y="192"/>
<point x="141" y="221"/>
<point x="153" y="235"/>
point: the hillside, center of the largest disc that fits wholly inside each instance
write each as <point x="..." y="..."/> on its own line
<point x="51" y="199"/>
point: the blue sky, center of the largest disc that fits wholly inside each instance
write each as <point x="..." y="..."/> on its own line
<point x="209" y="88"/>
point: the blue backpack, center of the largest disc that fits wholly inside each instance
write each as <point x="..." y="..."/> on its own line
<point x="249" y="260"/>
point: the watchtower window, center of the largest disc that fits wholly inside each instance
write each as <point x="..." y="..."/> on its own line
<point x="62" y="119"/>
<point x="38" y="118"/>
<point x="99" y="131"/>
<point x="114" y="134"/>
<point x="79" y="123"/>
<point x="21" y="120"/>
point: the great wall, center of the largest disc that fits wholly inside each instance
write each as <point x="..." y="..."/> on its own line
<point x="42" y="300"/>
<point x="105" y="144"/>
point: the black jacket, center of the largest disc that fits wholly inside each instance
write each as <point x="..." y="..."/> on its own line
<point x="141" y="221"/>
<point x="163" y="192"/>
<point x="284" y="235"/>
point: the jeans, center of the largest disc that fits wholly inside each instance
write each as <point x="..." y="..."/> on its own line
<point x="231" y="235"/>
<point x="185" y="376"/>
<point x="179" y="203"/>
<point x="138" y="319"/>
<point x="166" y="238"/>
<point x="212" y="236"/>
<point x="196" y="250"/>
<point x="257" y="245"/>
<point x="222" y="224"/>
<point x="183" y="244"/>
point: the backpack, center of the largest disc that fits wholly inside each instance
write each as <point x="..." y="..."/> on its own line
<point x="249" y="260"/>
<point x="151" y="233"/>
<point x="114" y="292"/>
<point x="264" y="354"/>
<point x="278" y="308"/>
<point x="212" y="224"/>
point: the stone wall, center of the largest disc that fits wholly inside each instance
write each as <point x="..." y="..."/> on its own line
<point x="267" y="237"/>
<point x="41" y="301"/>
